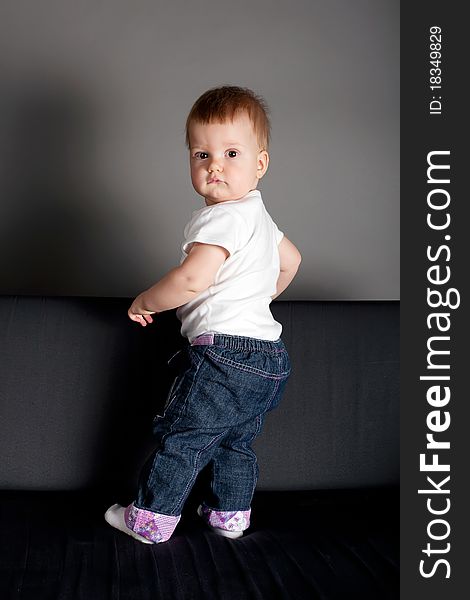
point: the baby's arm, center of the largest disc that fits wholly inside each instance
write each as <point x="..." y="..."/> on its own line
<point x="180" y="285"/>
<point x="290" y="259"/>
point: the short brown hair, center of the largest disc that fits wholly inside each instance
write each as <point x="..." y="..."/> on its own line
<point x="222" y="103"/>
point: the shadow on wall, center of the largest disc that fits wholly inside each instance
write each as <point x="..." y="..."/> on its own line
<point x="56" y="221"/>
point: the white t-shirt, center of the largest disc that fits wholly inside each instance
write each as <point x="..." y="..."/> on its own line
<point x="238" y="301"/>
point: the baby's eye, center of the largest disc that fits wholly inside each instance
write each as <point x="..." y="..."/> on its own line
<point x="202" y="155"/>
<point x="232" y="153"/>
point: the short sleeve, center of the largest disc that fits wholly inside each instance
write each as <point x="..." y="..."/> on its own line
<point x="218" y="226"/>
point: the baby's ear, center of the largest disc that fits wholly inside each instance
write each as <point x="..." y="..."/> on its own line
<point x="263" y="162"/>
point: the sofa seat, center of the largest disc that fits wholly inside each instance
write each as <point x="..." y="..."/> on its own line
<point x="301" y="545"/>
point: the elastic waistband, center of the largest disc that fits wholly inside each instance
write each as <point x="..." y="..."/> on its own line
<point x="237" y="342"/>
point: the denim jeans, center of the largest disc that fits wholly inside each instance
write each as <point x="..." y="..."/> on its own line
<point x="215" y="409"/>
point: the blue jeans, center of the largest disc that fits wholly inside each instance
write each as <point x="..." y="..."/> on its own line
<point x="215" y="409"/>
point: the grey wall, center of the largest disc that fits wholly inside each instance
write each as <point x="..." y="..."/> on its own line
<point x="94" y="180"/>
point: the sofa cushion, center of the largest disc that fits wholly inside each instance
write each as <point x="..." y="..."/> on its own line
<point x="80" y="384"/>
<point x="330" y="544"/>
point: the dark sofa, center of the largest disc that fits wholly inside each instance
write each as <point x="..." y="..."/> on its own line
<point x="79" y="386"/>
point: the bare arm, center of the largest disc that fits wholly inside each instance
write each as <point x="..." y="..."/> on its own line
<point x="180" y="285"/>
<point x="290" y="259"/>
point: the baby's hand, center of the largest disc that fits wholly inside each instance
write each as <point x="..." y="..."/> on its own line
<point x="140" y="315"/>
<point x="142" y="319"/>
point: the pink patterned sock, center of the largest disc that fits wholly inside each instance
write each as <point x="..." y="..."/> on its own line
<point x="150" y="525"/>
<point x="238" y="520"/>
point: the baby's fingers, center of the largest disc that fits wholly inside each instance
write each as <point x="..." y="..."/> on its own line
<point x="137" y="319"/>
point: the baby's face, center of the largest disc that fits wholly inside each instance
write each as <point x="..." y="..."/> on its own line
<point x="225" y="159"/>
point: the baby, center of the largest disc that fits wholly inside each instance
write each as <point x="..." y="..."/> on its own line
<point x="235" y="366"/>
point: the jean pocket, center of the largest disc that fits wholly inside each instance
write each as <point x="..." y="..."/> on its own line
<point x="265" y="364"/>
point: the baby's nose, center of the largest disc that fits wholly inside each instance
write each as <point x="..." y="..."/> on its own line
<point x="215" y="166"/>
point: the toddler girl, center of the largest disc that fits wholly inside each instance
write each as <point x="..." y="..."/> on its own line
<point x="235" y="366"/>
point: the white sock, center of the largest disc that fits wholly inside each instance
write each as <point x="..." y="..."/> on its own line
<point x="115" y="517"/>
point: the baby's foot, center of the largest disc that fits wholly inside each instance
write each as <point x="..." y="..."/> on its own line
<point x="115" y="517"/>
<point x="229" y="524"/>
<point x="143" y="525"/>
